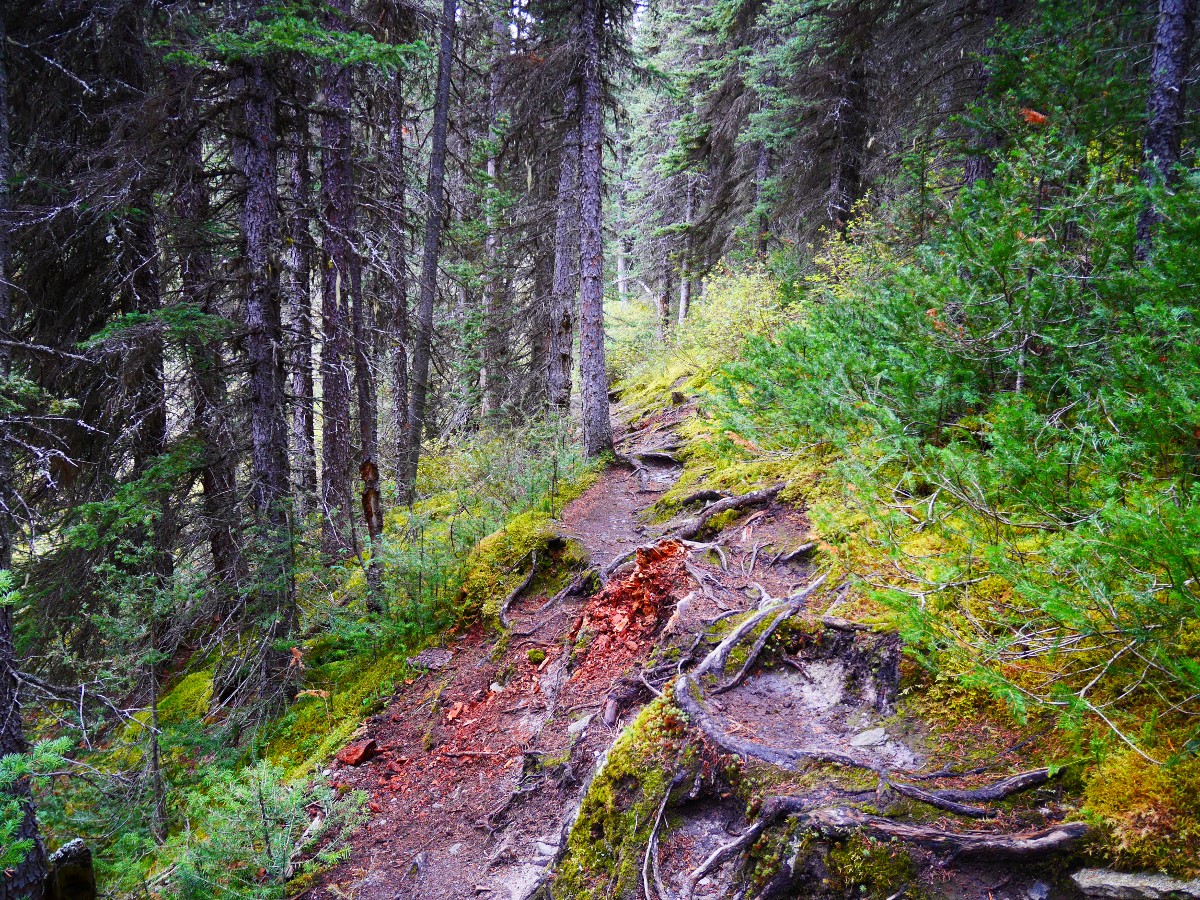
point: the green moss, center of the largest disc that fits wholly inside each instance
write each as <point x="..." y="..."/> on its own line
<point x="606" y="844"/>
<point x="188" y="699"/>
<point x="863" y="867"/>
<point x="324" y="718"/>
<point x="500" y="563"/>
<point x="1148" y="814"/>
<point x="536" y="656"/>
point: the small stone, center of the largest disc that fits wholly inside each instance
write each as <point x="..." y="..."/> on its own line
<point x="536" y="655"/>
<point x="431" y="658"/>
<point x="544" y="849"/>
<point x="453" y="851"/>
<point x="356" y="754"/>
<point x="1134" y="885"/>
<point x="610" y="712"/>
<point x="496" y="688"/>
<point x="1039" y="890"/>
<point x="579" y="725"/>
<point x="872" y="737"/>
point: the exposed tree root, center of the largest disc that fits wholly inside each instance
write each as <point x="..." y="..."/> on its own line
<point x="1001" y="789"/>
<point x="705" y="496"/>
<point x="693" y="527"/>
<point x="840" y="821"/>
<point x="932" y="798"/>
<point x="802" y="550"/>
<point x="793" y="605"/>
<point x="516" y="592"/>
<point x="689" y="697"/>
<point x="574" y="588"/>
<point x="650" y="866"/>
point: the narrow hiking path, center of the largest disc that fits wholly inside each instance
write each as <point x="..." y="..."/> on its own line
<point x="478" y="765"/>
<point x="478" y="769"/>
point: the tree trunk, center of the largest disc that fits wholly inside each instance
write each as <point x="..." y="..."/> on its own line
<point x="565" y="286"/>
<point x="436" y="200"/>
<point x="685" y="264"/>
<point x="622" y="241"/>
<point x="597" y="428"/>
<point x="980" y="164"/>
<point x="337" y="226"/>
<point x="218" y="473"/>
<point x="495" y="312"/>
<point x="662" y="300"/>
<point x="762" y="171"/>
<point x="298" y="300"/>
<point x="398" y="259"/>
<point x="256" y="157"/>
<point x="1164" y="107"/>
<point x="850" y="127"/>
<point x="24" y="881"/>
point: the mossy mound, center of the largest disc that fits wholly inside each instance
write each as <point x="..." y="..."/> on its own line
<point x="607" y="843"/>
<point x="340" y="696"/>
<point x="501" y="562"/>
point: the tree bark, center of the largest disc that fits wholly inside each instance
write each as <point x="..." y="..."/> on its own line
<point x="850" y="131"/>
<point x="398" y="260"/>
<point x="1164" y="107"/>
<point x="298" y="300"/>
<point x="565" y="285"/>
<point x="218" y="474"/>
<point x="436" y="200"/>
<point x="663" y="303"/>
<point x="256" y="157"/>
<point x="495" y="312"/>
<point x="337" y="225"/>
<point x="25" y="880"/>
<point x="597" y="427"/>
<point x="685" y="263"/>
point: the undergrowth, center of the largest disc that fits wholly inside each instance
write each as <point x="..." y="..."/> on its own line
<point x="249" y="813"/>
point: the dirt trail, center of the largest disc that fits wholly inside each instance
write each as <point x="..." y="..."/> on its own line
<point x="483" y="762"/>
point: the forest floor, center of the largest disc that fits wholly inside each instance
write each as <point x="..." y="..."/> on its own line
<point x="478" y="769"/>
